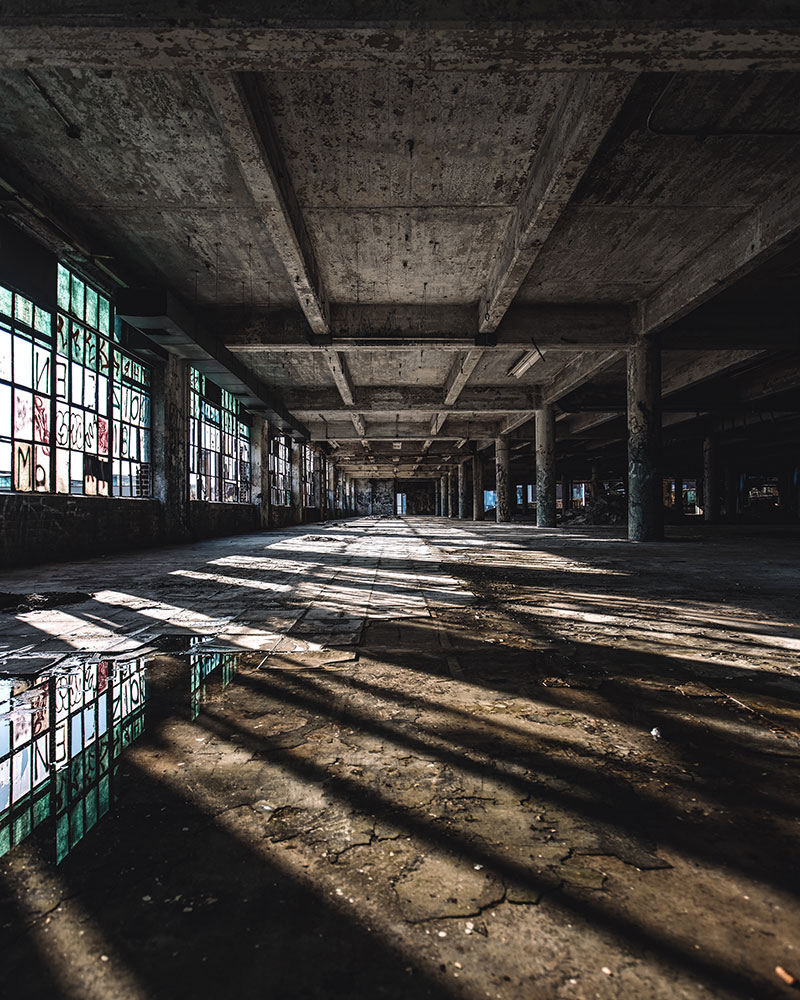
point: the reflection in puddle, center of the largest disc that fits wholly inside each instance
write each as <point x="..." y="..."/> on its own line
<point x="205" y="669"/>
<point x="61" y="735"/>
<point x="63" y="731"/>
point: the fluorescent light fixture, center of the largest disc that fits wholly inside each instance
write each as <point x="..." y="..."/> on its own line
<point x="528" y="360"/>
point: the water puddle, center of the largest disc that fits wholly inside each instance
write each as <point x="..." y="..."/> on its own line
<point x="63" y="731"/>
<point x="61" y="735"/>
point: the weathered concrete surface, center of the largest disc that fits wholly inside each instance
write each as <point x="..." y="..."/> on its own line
<point x="463" y="492"/>
<point x="478" y="507"/>
<point x="559" y="767"/>
<point x="545" y="468"/>
<point x="645" y="513"/>
<point x="501" y="485"/>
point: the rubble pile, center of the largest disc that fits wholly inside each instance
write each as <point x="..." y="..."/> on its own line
<point x="608" y="508"/>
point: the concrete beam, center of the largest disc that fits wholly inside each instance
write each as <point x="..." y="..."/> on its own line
<point x="459" y="374"/>
<point x="240" y="105"/>
<point x="603" y="37"/>
<point x="411" y="400"/>
<point x="564" y="327"/>
<point x="341" y="376"/>
<point x="677" y="378"/>
<point x="454" y="430"/>
<point x="588" y="106"/>
<point x="754" y="238"/>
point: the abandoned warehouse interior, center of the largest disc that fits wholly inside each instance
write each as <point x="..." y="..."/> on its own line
<point x="399" y="501"/>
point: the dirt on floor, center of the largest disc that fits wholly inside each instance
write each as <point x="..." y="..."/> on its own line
<point x="470" y="760"/>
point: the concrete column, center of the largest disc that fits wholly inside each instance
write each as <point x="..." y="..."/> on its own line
<point x="337" y="499"/>
<point x="296" y="451"/>
<point x="463" y="496"/>
<point x="442" y="497"/>
<point x="170" y="434"/>
<point x="645" y="508"/>
<point x="259" y="468"/>
<point x="437" y="499"/>
<point x="448" y="502"/>
<point x="595" y="482"/>
<point x="711" y="479"/>
<point x="454" y="493"/>
<point x="545" y="468"/>
<point x="501" y="459"/>
<point x="477" y="488"/>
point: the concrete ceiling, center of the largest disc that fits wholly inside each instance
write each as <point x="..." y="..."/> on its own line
<point x="381" y="224"/>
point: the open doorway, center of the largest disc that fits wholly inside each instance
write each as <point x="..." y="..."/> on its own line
<point x="400" y="504"/>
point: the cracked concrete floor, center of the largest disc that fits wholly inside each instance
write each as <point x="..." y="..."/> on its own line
<point x="456" y="760"/>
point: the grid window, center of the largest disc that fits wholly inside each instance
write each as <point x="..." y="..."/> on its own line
<point x="219" y="443"/>
<point x="309" y="476"/>
<point x="102" y="399"/>
<point x="26" y="379"/>
<point x="61" y="383"/>
<point x="280" y="471"/>
<point x="131" y="416"/>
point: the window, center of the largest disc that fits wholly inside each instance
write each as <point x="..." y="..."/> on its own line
<point x="97" y="381"/>
<point x="71" y="397"/>
<point x="309" y="466"/>
<point x="26" y="386"/>
<point x="219" y="443"/>
<point x="280" y="471"/>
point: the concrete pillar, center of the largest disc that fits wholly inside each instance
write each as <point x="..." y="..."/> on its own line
<point x="443" y="497"/>
<point x="454" y="493"/>
<point x="645" y="509"/>
<point x="501" y="459"/>
<point x="477" y="488"/>
<point x="711" y="479"/>
<point x="259" y="468"/>
<point x="296" y="451"/>
<point x="170" y="433"/>
<point x="545" y="468"/>
<point x="437" y="499"/>
<point x="448" y="504"/>
<point x="463" y="496"/>
<point x="595" y="482"/>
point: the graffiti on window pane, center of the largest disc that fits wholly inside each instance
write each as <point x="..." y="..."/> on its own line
<point x="57" y="388"/>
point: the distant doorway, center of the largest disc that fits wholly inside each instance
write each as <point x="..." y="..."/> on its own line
<point x="400" y="504"/>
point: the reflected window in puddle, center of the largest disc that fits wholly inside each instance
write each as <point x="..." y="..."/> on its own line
<point x="207" y="669"/>
<point x="61" y="735"/>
